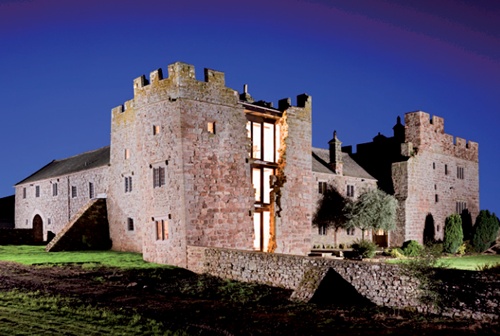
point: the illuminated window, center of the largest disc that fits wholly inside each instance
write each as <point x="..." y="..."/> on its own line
<point x="127" y="154"/>
<point x="161" y="229"/>
<point x="156" y="129"/>
<point x="265" y="138"/>
<point x="211" y="127"/>
<point x="256" y="180"/>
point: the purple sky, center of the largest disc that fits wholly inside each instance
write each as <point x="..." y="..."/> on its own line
<point x="65" y="64"/>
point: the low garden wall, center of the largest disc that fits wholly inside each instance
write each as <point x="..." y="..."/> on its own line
<point x="16" y="236"/>
<point x="470" y="294"/>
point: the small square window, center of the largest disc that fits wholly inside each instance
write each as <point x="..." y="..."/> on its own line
<point x="211" y="127"/>
<point x="156" y="129"/>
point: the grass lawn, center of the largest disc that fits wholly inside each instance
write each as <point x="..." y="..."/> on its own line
<point x="472" y="262"/>
<point x="36" y="255"/>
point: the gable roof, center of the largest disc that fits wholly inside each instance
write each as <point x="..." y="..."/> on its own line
<point x="351" y="168"/>
<point x="80" y="162"/>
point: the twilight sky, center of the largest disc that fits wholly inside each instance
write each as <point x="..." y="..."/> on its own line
<point x="65" y="64"/>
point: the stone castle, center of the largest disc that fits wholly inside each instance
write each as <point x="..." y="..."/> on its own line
<point x="195" y="163"/>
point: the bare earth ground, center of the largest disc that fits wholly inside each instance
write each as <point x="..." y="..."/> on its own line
<point x="183" y="300"/>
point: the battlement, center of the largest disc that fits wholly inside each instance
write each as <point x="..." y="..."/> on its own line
<point x="425" y="132"/>
<point x="179" y="73"/>
<point x="303" y="101"/>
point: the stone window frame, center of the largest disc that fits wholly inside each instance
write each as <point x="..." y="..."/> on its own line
<point x="460" y="173"/>
<point x="460" y="206"/>
<point x="161" y="228"/>
<point x="128" y="184"/>
<point x="211" y="127"/>
<point x="156" y="129"/>
<point x="350" y="190"/>
<point x="350" y="231"/>
<point x="37" y="191"/>
<point x="130" y="224"/>
<point x="322" y="187"/>
<point x="24" y="192"/>
<point x="91" y="190"/>
<point x="127" y="154"/>
<point x="446" y="169"/>
<point x="436" y="198"/>
<point x="55" y="190"/>
<point x="322" y="230"/>
<point x="74" y="192"/>
<point x="159" y="176"/>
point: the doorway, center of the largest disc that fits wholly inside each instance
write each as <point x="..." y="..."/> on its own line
<point x="37" y="229"/>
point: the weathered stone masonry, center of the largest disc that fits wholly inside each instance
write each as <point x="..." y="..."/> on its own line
<point x="469" y="294"/>
<point x="194" y="132"/>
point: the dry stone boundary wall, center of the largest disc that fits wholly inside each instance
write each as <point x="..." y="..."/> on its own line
<point x="382" y="284"/>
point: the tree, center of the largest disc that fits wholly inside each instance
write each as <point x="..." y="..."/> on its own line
<point x="374" y="210"/>
<point x="330" y="211"/>
<point x="453" y="234"/>
<point x="485" y="231"/>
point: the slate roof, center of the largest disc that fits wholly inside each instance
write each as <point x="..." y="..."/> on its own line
<point x="80" y="162"/>
<point x="321" y="157"/>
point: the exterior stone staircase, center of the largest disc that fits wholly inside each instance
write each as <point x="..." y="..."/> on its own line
<point x="88" y="229"/>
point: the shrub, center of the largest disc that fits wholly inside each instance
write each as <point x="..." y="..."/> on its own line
<point x="397" y="253"/>
<point x="412" y="248"/>
<point x="453" y="234"/>
<point x="461" y="250"/>
<point x="364" y="248"/>
<point x="485" y="231"/>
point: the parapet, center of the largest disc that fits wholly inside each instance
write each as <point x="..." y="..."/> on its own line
<point x="177" y="73"/>
<point x="425" y="132"/>
<point x="303" y="101"/>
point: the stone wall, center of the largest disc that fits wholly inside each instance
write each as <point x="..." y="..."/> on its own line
<point x="194" y="130"/>
<point x="428" y="185"/>
<point x="16" y="237"/>
<point x="87" y="230"/>
<point x="56" y="210"/>
<point x="294" y="224"/>
<point x="381" y="284"/>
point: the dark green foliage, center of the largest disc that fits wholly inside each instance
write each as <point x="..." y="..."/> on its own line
<point x="364" y="248"/>
<point x="485" y="231"/>
<point x="330" y="211"/>
<point x="412" y="248"/>
<point x="373" y="210"/>
<point x="453" y="234"/>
